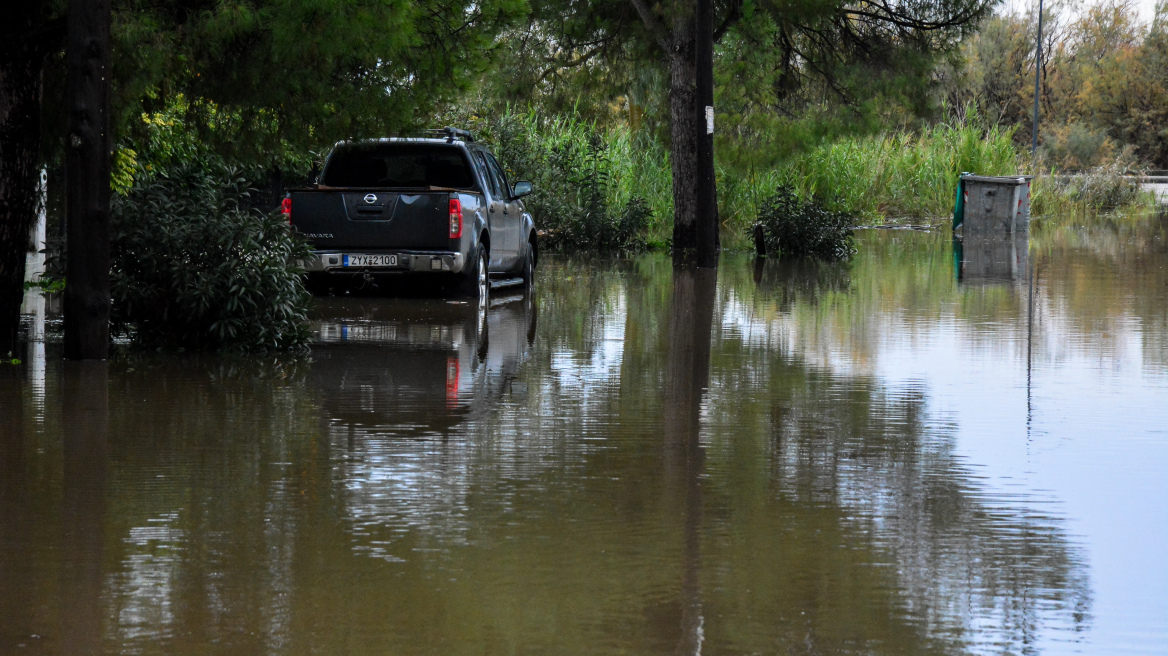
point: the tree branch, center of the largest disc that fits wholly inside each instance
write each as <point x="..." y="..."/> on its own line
<point x="732" y="17"/>
<point x="884" y="13"/>
<point x="579" y="61"/>
<point x="653" y="24"/>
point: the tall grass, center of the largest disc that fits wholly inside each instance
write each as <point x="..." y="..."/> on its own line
<point x="596" y="186"/>
<point x="1104" y="189"/>
<point x="592" y="192"/>
<point x="901" y="174"/>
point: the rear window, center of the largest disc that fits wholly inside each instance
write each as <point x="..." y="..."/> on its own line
<point x="398" y="165"/>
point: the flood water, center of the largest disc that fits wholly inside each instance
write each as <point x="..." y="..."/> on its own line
<point x="922" y="451"/>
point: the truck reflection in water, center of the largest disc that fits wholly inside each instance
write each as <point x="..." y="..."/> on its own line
<point x="417" y="366"/>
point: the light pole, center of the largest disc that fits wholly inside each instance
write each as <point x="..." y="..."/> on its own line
<point x="1037" y="79"/>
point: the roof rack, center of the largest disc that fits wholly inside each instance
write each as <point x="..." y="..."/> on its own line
<point x="452" y="133"/>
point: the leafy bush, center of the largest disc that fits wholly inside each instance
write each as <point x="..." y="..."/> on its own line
<point x="192" y="267"/>
<point x="794" y="227"/>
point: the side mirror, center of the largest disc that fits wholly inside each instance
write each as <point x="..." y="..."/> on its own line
<point x="522" y="188"/>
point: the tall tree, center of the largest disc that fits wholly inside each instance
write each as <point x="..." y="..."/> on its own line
<point x="778" y="51"/>
<point x="87" y="175"/>
<point x="824" y="25"/>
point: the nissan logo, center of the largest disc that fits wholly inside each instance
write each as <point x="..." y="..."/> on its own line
<point x="370" y="198"/>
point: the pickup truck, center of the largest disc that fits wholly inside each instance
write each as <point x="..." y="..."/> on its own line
<point x="435" y="207"/>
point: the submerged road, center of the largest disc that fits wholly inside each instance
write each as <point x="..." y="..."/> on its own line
<point x="932" y="448"/>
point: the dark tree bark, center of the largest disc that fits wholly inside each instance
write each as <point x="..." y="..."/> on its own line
<point x="87" y="180"/>
<point x="706" y="218"/>
<point x="683" y="118"/>
<point x="688" y="45"/>
<point x="26" y="38"/>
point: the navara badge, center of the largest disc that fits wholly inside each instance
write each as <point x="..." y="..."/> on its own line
<point x="370" y="198"/>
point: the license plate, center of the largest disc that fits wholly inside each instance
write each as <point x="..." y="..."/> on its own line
<point x="369" y="260"/>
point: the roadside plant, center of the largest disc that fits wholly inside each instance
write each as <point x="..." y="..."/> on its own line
<point x="194" y="267"/>
<point x="581" y="175"/>
<point x="791" y="226"/>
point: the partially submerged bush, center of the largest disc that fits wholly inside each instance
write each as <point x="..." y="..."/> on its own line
<point x="1100" y="189"/>
<point x="791" y="226"/>
<point x="192" y="267"/>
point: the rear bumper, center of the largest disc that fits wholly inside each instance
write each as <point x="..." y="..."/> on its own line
<point x="408" y="261"/>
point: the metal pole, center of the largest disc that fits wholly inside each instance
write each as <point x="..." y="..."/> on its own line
<point x="1037" y="79"/>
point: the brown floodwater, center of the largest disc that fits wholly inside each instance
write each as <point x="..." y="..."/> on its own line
<point x="926" y="450"/>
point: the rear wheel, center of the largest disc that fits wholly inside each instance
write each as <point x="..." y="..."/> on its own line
<point x="316" y="285"/>
<point x="473" y="283"/>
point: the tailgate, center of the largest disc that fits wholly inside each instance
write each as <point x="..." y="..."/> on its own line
<point x="372" y="219"/>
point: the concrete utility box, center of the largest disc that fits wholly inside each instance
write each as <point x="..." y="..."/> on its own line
<point x="993" y="205"/>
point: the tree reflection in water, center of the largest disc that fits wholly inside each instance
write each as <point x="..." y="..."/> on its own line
<point x="687" y="374"/>
<point x="85" y="418"/>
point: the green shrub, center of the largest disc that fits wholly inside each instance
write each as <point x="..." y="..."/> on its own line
<point x="192" y="267"/>
<point x="792" y="226"/>
<point x="582" y="174"/>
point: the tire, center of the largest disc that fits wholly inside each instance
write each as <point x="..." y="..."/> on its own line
<point x="528" y="270"/>
<point x="473" y="282"/>
<point x="316" y="285"/>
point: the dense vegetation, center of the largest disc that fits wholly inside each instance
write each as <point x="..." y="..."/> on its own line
<point x="818" y="112"/>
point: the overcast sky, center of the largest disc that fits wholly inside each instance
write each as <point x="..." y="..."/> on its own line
<point x="1147" y="7"/>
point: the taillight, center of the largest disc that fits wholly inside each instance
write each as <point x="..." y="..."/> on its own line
<point x="451" y="382"/>
<point x="455" y="218"/>
<point x="286" y="208"/>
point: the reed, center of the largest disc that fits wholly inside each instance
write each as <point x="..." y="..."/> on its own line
<point x="589" y="179"/>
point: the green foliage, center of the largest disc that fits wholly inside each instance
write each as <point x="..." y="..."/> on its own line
<point x="585" y="197"/>
<point x="903" y="173"/>
<point x="795" y="227"/>
<point x="589" y="179"/>
<point x="193" y="268"/>
<point x="122" y="167"/>
<point x="258" y="76"/>
<point x="47" y="283"/>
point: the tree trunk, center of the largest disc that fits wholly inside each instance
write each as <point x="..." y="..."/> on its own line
<point x="20" y="132"/>
<point x="683" y="114"/>
<point x="695" y="206"/>
<point x="706" y="192"/>
<point x="87" y="181"/>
